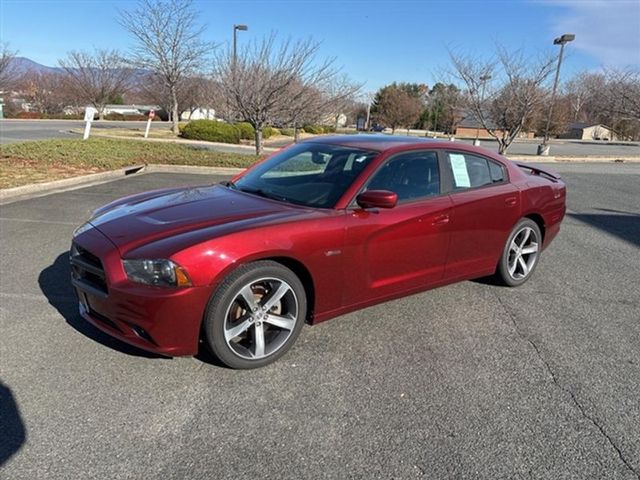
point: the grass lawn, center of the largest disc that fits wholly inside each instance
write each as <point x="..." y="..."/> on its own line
<point x="46" y="160"/>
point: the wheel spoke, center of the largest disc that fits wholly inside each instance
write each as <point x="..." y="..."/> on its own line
<point x="258" y="341"/>
<point x="524" y="266"/>
<point x="280" y="292"/>
<point x="527" y="233"/>
<point x="512" y="266"/>
<point x="514" y="246"/>
<point x="286" y="323"/>
<point x="532" y="248"/>
<point x="249" y="298"/>
<point x="233" y="332"/>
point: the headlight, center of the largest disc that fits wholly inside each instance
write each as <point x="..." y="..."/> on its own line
<point x="160" y="273"/>
<point x="82" y="228"/>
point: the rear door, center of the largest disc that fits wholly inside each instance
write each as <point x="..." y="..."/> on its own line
<point x="405" y="247"/>
<point x="485" y="207"/>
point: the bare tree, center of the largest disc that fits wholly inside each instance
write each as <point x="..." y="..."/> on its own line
<point x="267" y="78"/>
<point x="47" y="92"/>
<point x="503" y="95"/>
<point x="168" y="43"/>
<point x="96" y="78"/>
<point x="397" y="108"/>
<point x="8" y="73"/>
<point x="623" y="93"/>
<point x="307" y="103"/>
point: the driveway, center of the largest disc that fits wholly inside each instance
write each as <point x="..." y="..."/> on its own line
<point x="466" y="381"/>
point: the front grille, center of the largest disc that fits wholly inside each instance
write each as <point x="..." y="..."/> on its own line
<point x="87" y="272"/>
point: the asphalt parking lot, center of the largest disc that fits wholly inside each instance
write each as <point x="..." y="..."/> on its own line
<point x="467" y="381"/>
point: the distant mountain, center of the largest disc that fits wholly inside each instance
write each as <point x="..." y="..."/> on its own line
<point x="23" y="65"/>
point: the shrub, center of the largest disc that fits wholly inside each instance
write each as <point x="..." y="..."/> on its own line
<point x="269" y="132"/>
<point x="329" y="129"/>
<point x="29" y="115"/>
<point x="130" y="117"/>
<point x="287" y="132"/>
<point x="211" y="131"/>
<point x="314" y="129"/>
<point x="247" y="132"/>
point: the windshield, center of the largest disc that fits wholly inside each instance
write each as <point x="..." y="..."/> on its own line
<point x="310" y="174"/>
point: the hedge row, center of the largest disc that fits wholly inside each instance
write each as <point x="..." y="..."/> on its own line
<point x="214" y="131"/>
<point x="314" y="129"/>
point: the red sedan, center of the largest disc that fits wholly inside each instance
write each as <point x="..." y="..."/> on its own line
<point x="322" y="228"/>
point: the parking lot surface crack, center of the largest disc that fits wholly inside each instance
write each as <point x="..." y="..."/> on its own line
<point x="572" y="395"/>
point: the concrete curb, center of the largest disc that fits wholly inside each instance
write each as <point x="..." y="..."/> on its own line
<point x="25" y="192"/>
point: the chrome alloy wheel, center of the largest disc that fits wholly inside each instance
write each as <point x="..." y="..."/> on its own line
<point x="523" y="253"/>
<point x="261" y="318"/>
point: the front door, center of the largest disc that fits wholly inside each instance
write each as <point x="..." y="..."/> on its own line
<point x="394" y="250"/>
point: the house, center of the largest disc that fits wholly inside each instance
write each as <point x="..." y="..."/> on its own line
<point x="589" y="131"/>
<point x="130" y="109"/>
<point x="199" y="114"/>
<point x="471" y="127"/>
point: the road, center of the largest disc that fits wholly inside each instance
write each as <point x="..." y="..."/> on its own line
<point x="23" y="130"/>
<point x="12" y="131"/>
<point x="466" y="381"/>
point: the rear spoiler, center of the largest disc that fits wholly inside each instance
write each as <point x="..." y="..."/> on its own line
<point x="550" y="174"/>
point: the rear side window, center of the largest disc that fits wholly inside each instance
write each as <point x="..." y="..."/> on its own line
<point x="472" y="171"/>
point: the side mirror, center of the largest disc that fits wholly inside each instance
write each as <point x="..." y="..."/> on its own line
<point x="377" y="199"/>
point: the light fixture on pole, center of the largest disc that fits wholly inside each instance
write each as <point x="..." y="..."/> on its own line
<point x="243" y="28"/>
<point x="543" y="149"/>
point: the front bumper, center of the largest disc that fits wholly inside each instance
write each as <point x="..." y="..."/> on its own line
<point x="165" y="321"/>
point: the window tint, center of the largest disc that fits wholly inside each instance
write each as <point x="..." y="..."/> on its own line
<point x="470" y="171"/>
<point x="497" y="171"/>
<point x="410" y="175"/>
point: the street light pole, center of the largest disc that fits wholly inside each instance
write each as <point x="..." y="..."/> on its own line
<point x="483" y="79"/>
<point x="243" y="28"/>
<point x="543" y="149"/>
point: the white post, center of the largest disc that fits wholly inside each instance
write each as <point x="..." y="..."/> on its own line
<point x="146" y="131"/>
<point x="152" y="114"/>
<point x="89" y="112"/>
<point x="87" y="129"/>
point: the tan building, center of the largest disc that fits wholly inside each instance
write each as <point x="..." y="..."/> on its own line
<point x="471" y="127"/>
<point x="589" y="131"/>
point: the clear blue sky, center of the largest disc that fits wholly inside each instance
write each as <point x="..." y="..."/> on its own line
<point x="376" y="42"/>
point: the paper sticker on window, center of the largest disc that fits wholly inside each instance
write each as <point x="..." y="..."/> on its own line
<point x="459" y="168"/>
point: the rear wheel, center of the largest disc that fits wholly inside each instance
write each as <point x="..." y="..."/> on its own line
<point x="521" y="253"/>
<point x="255" y="315"/>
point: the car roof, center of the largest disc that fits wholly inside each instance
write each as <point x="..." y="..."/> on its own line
<point x="375" y="141"/>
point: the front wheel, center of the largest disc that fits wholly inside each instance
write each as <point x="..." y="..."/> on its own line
<point x="521" y="253"/>
<point x="255" y="315"/>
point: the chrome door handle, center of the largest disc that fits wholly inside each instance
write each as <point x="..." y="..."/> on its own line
<point x="441" y="220"/>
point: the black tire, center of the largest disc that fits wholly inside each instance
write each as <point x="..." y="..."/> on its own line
<point x="229" y="311"/>
<point x="505" y="271"/>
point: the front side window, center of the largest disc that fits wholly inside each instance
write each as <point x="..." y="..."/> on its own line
<point x="471" y="171"/>
<point x="410" y="175"/>
<point x="310" y="174"/>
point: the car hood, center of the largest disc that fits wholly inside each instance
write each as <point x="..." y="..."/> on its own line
<point x="144" y="218"/>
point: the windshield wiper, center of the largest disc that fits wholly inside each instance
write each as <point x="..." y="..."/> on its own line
<point x="229" y="184"/>
<point x="262" y="193"/>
